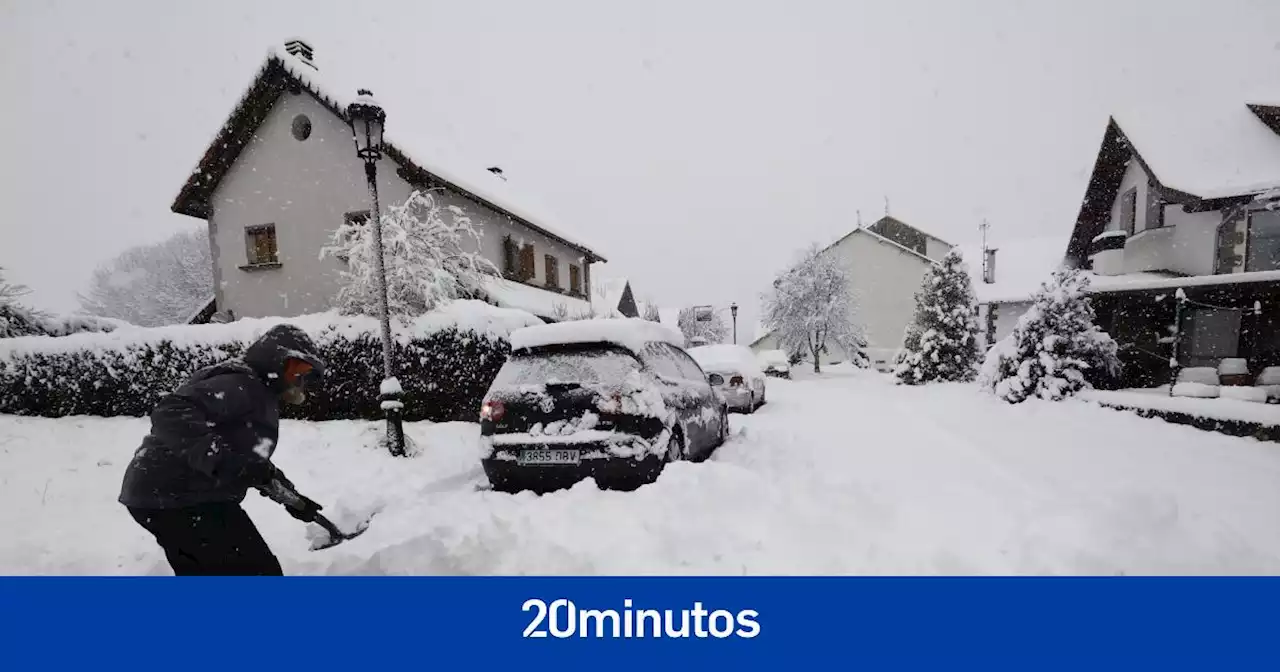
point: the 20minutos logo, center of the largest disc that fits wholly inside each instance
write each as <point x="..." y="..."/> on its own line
<point x="562" y="619"/>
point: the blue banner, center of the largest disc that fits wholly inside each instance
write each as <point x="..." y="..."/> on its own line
<point x="640" y="623"/>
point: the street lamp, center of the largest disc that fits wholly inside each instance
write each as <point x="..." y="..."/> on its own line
<point x="733" y="309"/>
<point x="367" y="119"/>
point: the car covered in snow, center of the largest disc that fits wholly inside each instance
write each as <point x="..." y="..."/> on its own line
<point x="610" y="399"/>
<point x="775" y="363"/>
<point x="734" y="372"/>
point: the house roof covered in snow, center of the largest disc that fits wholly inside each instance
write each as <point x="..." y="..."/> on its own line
<point x="1022" y="265"/>
<point x="628" y="332"/>
<point x="1203" y="153"/>
<point x="409" y="143"/>
<point x="882" y="240"/>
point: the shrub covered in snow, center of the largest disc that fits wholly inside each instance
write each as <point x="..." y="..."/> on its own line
<point x="1055" y="349"/>
<point x="941" y="343"/>
<point x="445" y="360"/>
<point x="712" y="331"/>
<point x="431" y="253"/>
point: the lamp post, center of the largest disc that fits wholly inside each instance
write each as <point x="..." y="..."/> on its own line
<point x="367" y="119"/>
<point x="733" y="310"/>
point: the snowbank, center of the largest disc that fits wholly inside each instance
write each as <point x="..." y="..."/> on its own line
<point x="469" y="315"/>
<point x="1158" y="399"/>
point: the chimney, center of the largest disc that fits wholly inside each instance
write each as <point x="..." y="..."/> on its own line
<point x="301" y="50"/>
<point x="989" y="265"/>
<point x="497" y="171"/>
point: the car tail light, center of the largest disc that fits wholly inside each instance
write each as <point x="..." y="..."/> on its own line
<point x="736" y="381"/>
<point x="492" y="411"/>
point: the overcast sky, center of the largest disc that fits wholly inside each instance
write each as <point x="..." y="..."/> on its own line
<point x="699" y="144"/>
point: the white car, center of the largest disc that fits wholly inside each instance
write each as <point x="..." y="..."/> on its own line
<point x="735" y="373"/>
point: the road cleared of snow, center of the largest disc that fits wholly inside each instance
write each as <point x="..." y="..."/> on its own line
<point x="843" y="474"/>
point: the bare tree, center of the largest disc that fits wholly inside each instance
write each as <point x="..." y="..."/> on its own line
<point x="153" y="285"/>
<point x="812" y="306"/>
<point x="10" y="292"/>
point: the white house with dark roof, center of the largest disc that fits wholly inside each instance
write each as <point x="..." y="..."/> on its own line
<point x="282" y="174"/>
<point x="1185" y="196"/>
<point x="885" y="263"/>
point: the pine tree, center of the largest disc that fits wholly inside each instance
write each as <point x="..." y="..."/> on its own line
<point x="431" y="252"/>
<point x="941" y="343"/>
<point x="1054" y="349"/>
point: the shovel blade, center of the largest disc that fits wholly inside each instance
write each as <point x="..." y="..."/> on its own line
<point x="330" y="539"/>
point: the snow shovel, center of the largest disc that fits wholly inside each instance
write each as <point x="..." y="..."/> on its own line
<point x="283" y="493"/>
<point x="336" y="536"/>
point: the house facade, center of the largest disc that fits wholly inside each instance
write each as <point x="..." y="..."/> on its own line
<point x="1006" y="275"/>
<point x="885" y="263"/>
<point x="1185" y="211"/>
<point x="282" y="174"/>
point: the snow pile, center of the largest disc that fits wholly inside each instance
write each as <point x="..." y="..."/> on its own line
<point x="941" y="343"/>
<point x="727" y="359"/>
<point x="1269" y="380"/>
<point x="1233" y="366"/>
<point x="1037" y="489"/>
<point x="630" y="333"/>
<point x="540" y="302"/>
<point x="1195" y="390"/>
<point x="1054" y="347"/>
<point x="1203" y="375"/>
<point x="1256" y="395"/>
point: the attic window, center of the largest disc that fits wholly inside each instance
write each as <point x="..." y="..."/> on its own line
<point x="301" y="127"/>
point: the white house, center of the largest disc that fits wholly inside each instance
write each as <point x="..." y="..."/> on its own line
<point x="282" y="174"/>
<point x="1185" y="196"/>
<point x="1006" y="276"/>
<point x="885" y="263"/>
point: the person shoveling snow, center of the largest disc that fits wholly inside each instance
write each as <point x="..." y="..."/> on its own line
<point x="210" y="441"/>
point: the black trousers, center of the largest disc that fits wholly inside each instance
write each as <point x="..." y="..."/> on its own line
<point x="215" y="539"/>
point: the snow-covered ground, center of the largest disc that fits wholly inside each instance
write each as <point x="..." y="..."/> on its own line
<point x="843" y="474"/>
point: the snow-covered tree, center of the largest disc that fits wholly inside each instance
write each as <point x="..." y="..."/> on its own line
<point x="431" y="254"/>
<point x="813" y="307"/>
<point x="10" y="292"/>
<point x="1054" y="349"/>
<point x="712" y="331"/>
<point x="155" y="284"/>
<point x="941" y="343"/>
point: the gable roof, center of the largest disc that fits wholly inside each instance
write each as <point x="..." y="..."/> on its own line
<point x="1202" y="153"/>
<point x="404" y="145"/>
<point x="884" y="241"/>
<point x="1022" y="265"/>
<point x="889" y="220"/>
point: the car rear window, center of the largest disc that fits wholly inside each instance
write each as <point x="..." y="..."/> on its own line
<point x="590" y="365"/>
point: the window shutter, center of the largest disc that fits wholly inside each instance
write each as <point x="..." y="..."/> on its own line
<point x="1128" y="210"/>
<point x="508" y="256"/>
<point x="1155" y="208"/>
<point x="527" y="271"/>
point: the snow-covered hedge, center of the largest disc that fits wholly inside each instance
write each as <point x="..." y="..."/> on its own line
<point x="445" y="361"/>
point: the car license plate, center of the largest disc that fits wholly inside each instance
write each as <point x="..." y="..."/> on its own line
<point x="542" y="456"/>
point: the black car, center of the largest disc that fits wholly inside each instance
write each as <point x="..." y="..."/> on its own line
<point x="612" y="399"/>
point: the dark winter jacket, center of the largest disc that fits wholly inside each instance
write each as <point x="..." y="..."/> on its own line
<point x="213" y="437"/>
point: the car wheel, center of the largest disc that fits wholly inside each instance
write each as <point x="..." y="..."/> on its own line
<point x="724" y="424"/>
